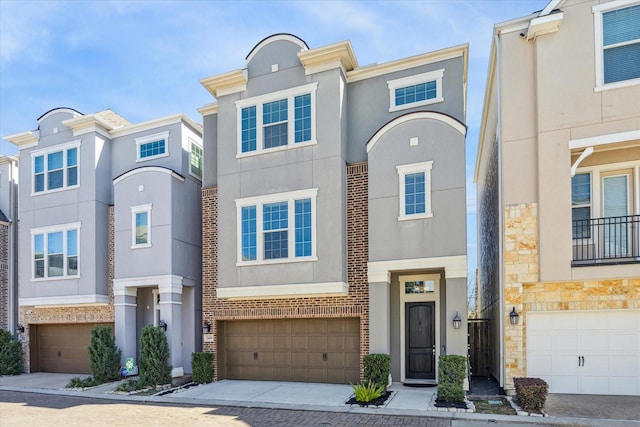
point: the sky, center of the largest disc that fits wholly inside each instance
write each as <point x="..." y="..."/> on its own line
<point x="145" y="59"/>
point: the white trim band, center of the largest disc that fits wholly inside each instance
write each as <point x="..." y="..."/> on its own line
<point x="285" y="291"/>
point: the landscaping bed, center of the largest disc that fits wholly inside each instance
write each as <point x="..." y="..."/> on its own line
<point x="380" y="401"/>
<point x="494" y="405"/>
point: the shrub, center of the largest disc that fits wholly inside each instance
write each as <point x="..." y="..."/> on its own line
<point x="367" y="393"/>
<point x="104" y="355"/>
<point x="77" y="382"/>
<point x="130" y="385"/>
<point x="154" y="357"/>
<point x="376" y="369"/>
<point x="10" y="354"/>
<point x="531" y="393"/>
<point x="202" y="365"/>
<point x="451" y="373"/>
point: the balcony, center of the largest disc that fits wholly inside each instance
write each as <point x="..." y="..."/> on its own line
<point x="605" y="241"/>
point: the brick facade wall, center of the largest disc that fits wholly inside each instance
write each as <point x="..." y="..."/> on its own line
<point x="355" y="304"/>
<point x="4" y="277"/>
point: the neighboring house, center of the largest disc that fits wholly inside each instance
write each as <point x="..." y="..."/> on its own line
<point x="109" y="234"/>
<point x="8" y="243"/>
<point x="334" y="213"/>
<point x="558" y="176"/>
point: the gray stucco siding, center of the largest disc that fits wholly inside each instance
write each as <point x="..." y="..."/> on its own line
<point x="282" y="52"/>
<point x="210" y="150"/>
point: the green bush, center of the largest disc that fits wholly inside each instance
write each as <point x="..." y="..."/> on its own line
<point x="130" y="385"/>
<point x="202" y="365"/>
<point x="154" y="357"/>
<point x="451" y="374"/>
<point x="376" y="369"/>
<point x="365" y="393"/>
<point x="531" y="393"/>
<point x="77" y="382"/>
<point x="104" y="355"/>
<point x="10" y="354"/>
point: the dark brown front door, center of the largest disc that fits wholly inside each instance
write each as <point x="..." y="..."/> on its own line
<point x="420" y="340"/>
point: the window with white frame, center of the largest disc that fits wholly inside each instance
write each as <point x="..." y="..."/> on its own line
<point x="280" y="120"/>
<point x="277" y="227"/>
<point x="56" y="169"/>
<point x="581" y="205"/>
<point x="617" y="30"/>
<point x="415" y="91"/>
<point x="141" y="226"/>
<point x="195" y="159"/>
<point x="55" y="251"/>
<point x="152" y="146"/>
<point x="415" y="190"/>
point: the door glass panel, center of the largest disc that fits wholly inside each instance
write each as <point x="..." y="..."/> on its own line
<point x="419" y="287"/>
<point x="615" y="208"/>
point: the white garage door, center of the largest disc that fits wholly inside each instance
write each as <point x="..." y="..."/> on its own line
<point x="585" y="352"/>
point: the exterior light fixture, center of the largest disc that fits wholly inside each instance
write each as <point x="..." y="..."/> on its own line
<point x="457" y="321"/>
<point x="206" y="328"/>
<point x="162" y="325"/>
<point x="514" y="316"/>
<point x="20" y="328"/>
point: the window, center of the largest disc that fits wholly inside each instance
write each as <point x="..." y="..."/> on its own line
<point x="195" y="159"/>
<point x="55" y="170"/>
<point x="277" y="227"/>
<point x="581" y="205"/>
<point x="279" y="120"/>
<point x="152" y="146"/>
<point x="415" y="91"/>
<point x="141" y="226"/>
<point x="415" y="190"/>
<point x="617" y="43"/>
<point x="55" y="251"/>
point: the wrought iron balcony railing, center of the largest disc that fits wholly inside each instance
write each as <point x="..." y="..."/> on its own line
<point x="612" y="240"/>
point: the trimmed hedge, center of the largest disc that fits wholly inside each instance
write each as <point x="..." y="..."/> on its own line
<point x="202" y="366"/>
<point x="531" y="393"/>
<point x="451" y="374"/>
<point x="154" y="357"/>
<point x="104" y="355"/>
<point x="376" y="369"/>
<point x="10" y="354"/>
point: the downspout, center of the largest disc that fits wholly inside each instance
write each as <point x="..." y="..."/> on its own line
<point x="13" y="249"/>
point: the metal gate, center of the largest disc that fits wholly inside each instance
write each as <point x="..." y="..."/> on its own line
<point x="479" y="347"/>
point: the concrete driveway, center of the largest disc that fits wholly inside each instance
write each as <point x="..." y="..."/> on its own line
<point x="593" y="406"/>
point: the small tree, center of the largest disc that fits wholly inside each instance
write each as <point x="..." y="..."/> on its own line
<point x="154" y="357"/>
<point x="104" y="355"/>
<point x="10" y="354"/>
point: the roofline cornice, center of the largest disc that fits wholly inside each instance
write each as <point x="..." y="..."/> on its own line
<point x="90" y="121"/>
<point x="209" y="109"/>
<point x="23" y="139"/>
<point x="155" y="123"/>
<point x="329" y="57"/>
<point x="226" y="83"/>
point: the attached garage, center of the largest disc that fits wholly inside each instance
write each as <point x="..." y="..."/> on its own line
<point x="309" y="350"/>
<point x="585" y="352"/>
<point x="61" y="348"/>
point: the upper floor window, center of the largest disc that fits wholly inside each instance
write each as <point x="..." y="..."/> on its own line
<point x="617" y="44"/>
<point x="152" y="146"/>
<point x="277" y="227"/>
<point x="141" y="226"/>
<point x="415" y="190"/>
<point x="415" y="91"/>
<point x="55" y="169"/>
<point x="280" y="120"/>
<point x="55" y="251"/>
<point x="581" y="205"/>
<point x="195" y="159"/>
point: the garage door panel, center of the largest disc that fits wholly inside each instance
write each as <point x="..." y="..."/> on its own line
<point x="564" y="343"/>
<point x="624" y="366"/>
<point x="541" y="364"/>
<point x="336" y="343"/>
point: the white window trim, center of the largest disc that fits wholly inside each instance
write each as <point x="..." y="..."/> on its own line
<point x="404" y="170"/>
<point x="54" y="229"/>
<point x="596" y="187"/>
<point x="45" y="152"/>
<point x="591" y="200"/>
<point x="414" y="80"/>
<point x="151" y="138"/>
<point x="258" y="101"/>
<point x="191" y="144"/>
<point x="597" y="11"/>
<point x="258" y="201"/>
<point x="135" y="210"/>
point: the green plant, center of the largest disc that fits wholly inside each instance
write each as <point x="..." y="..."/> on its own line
<point x="10" y="354"/>
<point x="376" y="369"/>
<point x="365" y="393"/>
<point x="104" y="355"/>
<point x="531" y="393"/>
<point x="130" y="385"/>
<point x="202" y="365"/>
<point x="77" y="382"/>
<point x="154" y="357"/>
<point x="451" y="373"/>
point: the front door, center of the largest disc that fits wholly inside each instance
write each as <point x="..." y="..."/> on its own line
<point x="420" y="340"/>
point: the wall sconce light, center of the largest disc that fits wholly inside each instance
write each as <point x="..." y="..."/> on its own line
<point x="20" y="328"/>
<point x="162" y="325"/>
<point x="457" y="321"/>
<point x="514" y="316"/>
<point x="206" y="328"/>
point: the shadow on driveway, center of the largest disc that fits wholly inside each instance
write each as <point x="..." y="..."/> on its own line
<point x="593" y="406"/>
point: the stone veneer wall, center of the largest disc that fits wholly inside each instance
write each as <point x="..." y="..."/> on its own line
<point x="523" y="290"/>
<point x="356" y="304"/>
<point x="102" y="313"/>
<point x="4" y="276"/>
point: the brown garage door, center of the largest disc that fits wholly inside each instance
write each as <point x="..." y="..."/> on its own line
<point x="61" y="348"/>
<point x="313" y="350"/>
